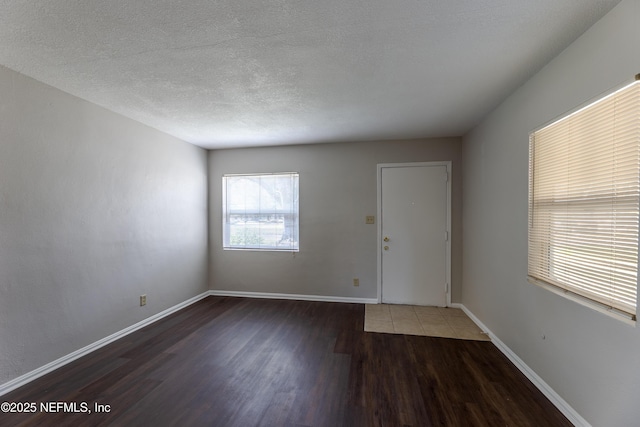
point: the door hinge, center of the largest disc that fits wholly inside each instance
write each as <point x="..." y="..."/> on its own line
<point x="446" y="177"/>
<point x="446" y="236"/>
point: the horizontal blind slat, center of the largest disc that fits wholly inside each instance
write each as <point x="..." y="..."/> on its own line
<point x="584" y="198"/>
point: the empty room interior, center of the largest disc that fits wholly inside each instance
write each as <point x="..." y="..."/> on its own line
<point x="200" y="202"/>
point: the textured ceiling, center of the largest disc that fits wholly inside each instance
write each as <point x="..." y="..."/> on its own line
<point x="236" y="73"/>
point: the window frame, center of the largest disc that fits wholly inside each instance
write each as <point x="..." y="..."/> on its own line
<point x="293" y="211"/>
<point x="540" y="268"/>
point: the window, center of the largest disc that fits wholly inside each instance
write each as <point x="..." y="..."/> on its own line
<point x="583" y="203"/>
<point x="260" y="212"/>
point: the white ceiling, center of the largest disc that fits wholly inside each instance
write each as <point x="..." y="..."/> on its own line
<point x="232" y="73"/>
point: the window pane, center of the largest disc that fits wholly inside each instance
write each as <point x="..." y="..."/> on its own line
<point x="261" y="212"/>
<point x="584" y="192"/>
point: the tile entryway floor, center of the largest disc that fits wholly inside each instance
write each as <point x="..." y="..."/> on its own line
<point x="420" y="320"/>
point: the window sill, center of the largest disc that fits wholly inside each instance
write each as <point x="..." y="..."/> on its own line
<point x="611" y="312"/>
<point x="261" y="250"/>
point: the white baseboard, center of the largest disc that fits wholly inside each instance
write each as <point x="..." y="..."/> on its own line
<point x="299" y="297"/>
<point x="43" y="370"/>
<point x="554" y="397"/>
<point x="560" y="403"/>
<point x="58" y="363"/>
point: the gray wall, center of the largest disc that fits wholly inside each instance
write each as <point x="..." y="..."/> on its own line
<point x="578" y="339"/>
<point x="338" y="188"/>
<point x="95" y="210"/>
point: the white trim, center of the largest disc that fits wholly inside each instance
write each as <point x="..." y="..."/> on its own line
<point x="294" y="212"/>
<point x="260" y="173"/>
<point x="554" y="397"/>
<point x="447" y="164"/>
<point x="58" y="363"/>
<point x="592" y="304"/>
<point x="299" y="297"/>
<point x="601" y="97"/>
<point x="560" y="403"/>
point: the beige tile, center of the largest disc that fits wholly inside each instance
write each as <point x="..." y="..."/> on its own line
<point x="426" y="310"/>
<point x="444" y="331"/>
<point x="421" y="320"/>
<point x="381" y="315"/>
<point x="449" y="311"/>
<point x="409" y="327"/>
<point x="399" y="312"/>
<point x="414" y="322"/>
<point x="378" y="326"/>
<point x="471" y="334"/>
<point x="473" y="327"/>
<point x="460" y="322"/>
<point x="432" y="319"/>
<point x="376" y="308"/>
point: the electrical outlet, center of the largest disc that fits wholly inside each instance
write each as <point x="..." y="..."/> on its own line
<point x="356" y="282"/>
<point x="143" y="300"/>
<point x="370" y="219"/>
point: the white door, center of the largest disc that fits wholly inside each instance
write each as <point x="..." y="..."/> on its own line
<point x="413" y="230"/>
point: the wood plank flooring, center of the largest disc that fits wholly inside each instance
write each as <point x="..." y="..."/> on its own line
<point x="252" y="362"/>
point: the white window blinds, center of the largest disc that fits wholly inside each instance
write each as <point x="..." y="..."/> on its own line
<point x="583" y="202"/>
<point x="260" y="212"/>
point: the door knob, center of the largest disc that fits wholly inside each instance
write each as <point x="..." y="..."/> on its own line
<point x="386" y="248"/>
<point x="386" y="239"/>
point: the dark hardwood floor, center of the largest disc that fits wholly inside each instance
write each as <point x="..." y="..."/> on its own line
<point x="252" y="362"/>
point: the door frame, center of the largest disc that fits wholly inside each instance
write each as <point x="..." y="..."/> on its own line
<point x="448" y="230"/>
